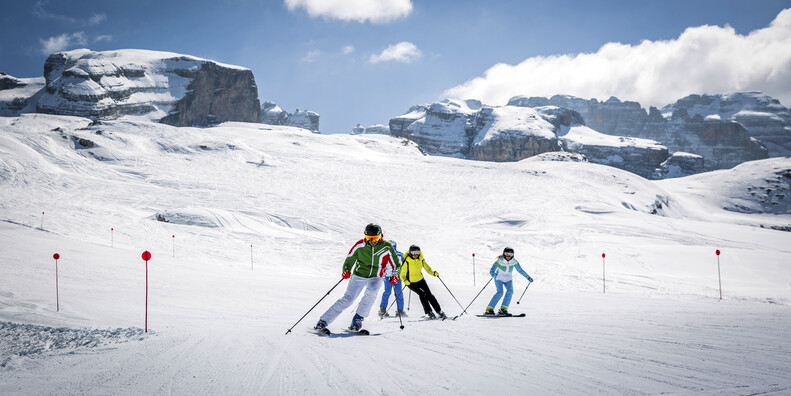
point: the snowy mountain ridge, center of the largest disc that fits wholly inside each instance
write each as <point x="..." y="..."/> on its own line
<point x="145" y="85"/>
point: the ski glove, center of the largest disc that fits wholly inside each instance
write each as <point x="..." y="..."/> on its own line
<point x="529" y="279"/>
<point x="393" y="279"/>
<point x="436" y="273"/>
<point x="346" y="275"/>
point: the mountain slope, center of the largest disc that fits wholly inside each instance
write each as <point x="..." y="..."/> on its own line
<point x="219" y="308"/>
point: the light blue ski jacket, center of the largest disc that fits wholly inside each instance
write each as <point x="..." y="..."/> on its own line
<point x="503" y="270"/>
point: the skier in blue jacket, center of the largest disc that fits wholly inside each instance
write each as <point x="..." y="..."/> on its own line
<point x="502" y="272"/>
<point x="399" y="287"/>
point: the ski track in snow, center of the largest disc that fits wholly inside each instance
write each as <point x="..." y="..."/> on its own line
<point x="217" y="321"/>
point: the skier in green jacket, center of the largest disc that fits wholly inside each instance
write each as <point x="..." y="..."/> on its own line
<point x="370" y="259"/>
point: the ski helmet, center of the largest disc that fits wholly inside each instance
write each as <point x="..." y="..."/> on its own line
<point x="373" y="230"/>
<point x="508" y="251"/>
<point x="392" y="242"/>
<point x="373" y="233"/>
<point x="414" y="248"/>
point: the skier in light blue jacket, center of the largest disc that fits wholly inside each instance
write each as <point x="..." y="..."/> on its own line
<point x="398" y="291"/>
<point x="502" y="272"/>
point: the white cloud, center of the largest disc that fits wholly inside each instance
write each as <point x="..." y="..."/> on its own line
<point x="375" y="11"/>
<point x="704" y="59"/>
<point x="62" y="42"/>
<point x="39" y="11"/>
<point x="96" y="19"/>
<point x="404" y="52"/>
<point x="347" y="50"/>
<point x="311" y="56"/>
<point x="104" y="37"/>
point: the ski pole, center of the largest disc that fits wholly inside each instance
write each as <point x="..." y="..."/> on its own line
<point x="523" y="293"/>
<point x="394" y="301"/>
<point x="314" y="306"/>
<point x="451" y="294"/>
<point x="399" y="316"/>
<point x="410" y="300"/>
<point x="473" y="300"/>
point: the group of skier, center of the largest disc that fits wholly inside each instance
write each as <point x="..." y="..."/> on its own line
<point x="373" y="257"/>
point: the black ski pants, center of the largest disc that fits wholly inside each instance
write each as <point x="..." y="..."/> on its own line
<point x="421" y="288"/>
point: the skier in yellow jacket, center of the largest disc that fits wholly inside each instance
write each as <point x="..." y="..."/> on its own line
<point x="412" y="275"/>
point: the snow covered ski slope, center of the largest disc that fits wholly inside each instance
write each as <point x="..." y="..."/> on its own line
<point x="257" y="222"/>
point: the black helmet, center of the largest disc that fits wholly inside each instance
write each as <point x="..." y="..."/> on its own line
<point x="414" y="248"/>
<point x="373" y="230"/>
<point x="508" y="250"/>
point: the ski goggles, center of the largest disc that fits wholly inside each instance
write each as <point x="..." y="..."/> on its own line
<point x="508" y="254"/>
<point x="373" y="238"/>
<point x="414" y="252"/>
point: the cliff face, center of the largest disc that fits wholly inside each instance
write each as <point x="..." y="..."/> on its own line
<point x="18" y="95"/>
<point x="171" y="88"/>
<point x="762" y="116"/>
<point x="705" y="125"/>
<point x="217" y="94"/>
<point x="272" y="114"/>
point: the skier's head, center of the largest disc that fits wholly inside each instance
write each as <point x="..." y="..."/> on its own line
<point x="508" y="253"/>
<point x="392" y="242"/>
<point x="414" y="251"/>
<point x="373" y="234"/>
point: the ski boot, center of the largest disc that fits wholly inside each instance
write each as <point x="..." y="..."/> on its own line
<point x="357" y="323"/>
<point x="401" y="313"/>
<point x="431" y="315"/>
<point x="321" y="325"/>
<point x="503" y="311"/>
<point x="489" y="311"/>
<point x="442" y="315"/>
<point x="383" y="312"/>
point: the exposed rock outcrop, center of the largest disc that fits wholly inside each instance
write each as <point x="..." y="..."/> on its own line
<point x="680" y="164"/>
<point x="640" y="156"/>
<point x="376" y="129"/>
<point x="468" y="129"/>
<point x="272" y="114"/>
<point x="170" y="88"/>
<point x="722" y="141"/>
<point x="512" y="133"/>
<point x="762" y="116"/>
<point x="18" y="95"/>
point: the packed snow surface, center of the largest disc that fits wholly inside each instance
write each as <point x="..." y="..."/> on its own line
<point x="257" y="220"/>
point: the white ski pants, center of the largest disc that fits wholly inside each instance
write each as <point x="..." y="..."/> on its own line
<point x="356" y="285"/>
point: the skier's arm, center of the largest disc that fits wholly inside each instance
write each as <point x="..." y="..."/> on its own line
<point x="493" y="271"/>
<point x="521" y="271"/>
<point x="349" y="262"/>
<point x="426" y="266"/>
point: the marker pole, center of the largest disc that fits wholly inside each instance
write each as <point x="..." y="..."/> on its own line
<point x="603" y="276"/>
<point x="719" y="274"/>
<point x="57" y="294"/>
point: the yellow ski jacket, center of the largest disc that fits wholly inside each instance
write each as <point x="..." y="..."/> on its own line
<point x="412" y="268"/>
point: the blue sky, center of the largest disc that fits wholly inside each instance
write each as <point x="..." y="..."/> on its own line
<point x="332" y="58"/>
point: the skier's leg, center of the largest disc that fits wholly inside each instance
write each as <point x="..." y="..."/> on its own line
<point x="400" y="295"/>
<point x="433" y="300"/>
<point x="353" y="290"/>
<point x="419" y="288"/>
<point x="509" y="291"/>
<point x="386" y="294"/>
<point x="372" y="286"/>
<point x="499" y="285"/>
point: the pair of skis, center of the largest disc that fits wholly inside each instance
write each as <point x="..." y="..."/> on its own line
<point x="521" y="315"/>
<point x="326" y="332"/>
